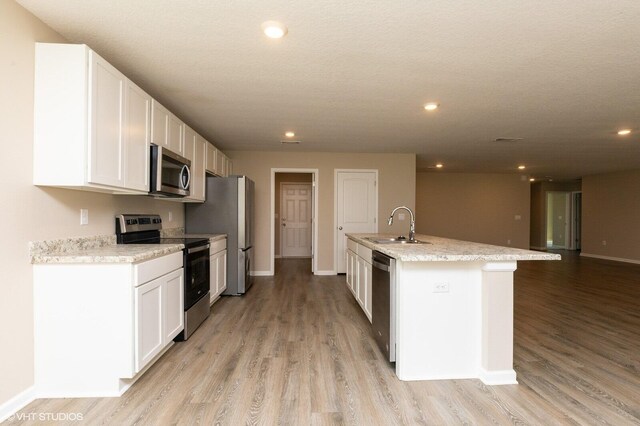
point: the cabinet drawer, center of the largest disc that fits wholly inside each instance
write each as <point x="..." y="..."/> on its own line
<point x="352" y="245"/>
<point x="152" y="269"/>
<point x="364" y="252"/>
<point x="217" y="246"/>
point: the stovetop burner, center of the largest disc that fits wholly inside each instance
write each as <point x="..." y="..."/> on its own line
<point x="145" y="229"/>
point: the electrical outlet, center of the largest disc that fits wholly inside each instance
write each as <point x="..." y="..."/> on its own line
<point x="518" y="217"/>
<point x="441" y="288"/>
<point x="84" y="216"/>
<point x="509" y="242"/>
<point x="170" y="216"/>
<point x="604" y="242"/>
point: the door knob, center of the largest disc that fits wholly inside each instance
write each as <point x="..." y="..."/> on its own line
<point x="340" y="228"/>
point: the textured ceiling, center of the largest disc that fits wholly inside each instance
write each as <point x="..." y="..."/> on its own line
<point x="352" y="76"/>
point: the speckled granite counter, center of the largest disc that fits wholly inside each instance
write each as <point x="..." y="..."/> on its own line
<point x="448" y="250"/>
<point x="97" y="249"/>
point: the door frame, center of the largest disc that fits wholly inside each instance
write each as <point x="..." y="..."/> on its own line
<point x="315" y="184"/>
<point x="310" y="185"/>
<point x="567" y="215"/>
<point x="576" y="223"/>
<point x="335" y="208"/>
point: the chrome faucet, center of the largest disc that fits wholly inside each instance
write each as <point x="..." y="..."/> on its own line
<point x="412" y="227"/>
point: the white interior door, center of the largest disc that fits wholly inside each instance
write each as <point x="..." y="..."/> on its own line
<point x="295" y="220"/>
<point x="356" y="209"/>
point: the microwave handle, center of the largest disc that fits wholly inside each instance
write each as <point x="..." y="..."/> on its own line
<point x="186" y="168"/>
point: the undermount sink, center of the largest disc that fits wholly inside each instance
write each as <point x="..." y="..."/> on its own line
<point x="399" y="240"/>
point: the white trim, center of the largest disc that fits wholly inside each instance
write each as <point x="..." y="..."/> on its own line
<point x="615" y="259"/>
<point x="326" y="273"/>
<point x="310" y="185"/>
<point x="261" y="273"/>
<point x="498" y="377"/>
<point x="17" y="402"/>
<point x="507" y="266"/>
<point x="335" y="207"/>
<point x="316" y="185"/>
<point x="538" y="248"/>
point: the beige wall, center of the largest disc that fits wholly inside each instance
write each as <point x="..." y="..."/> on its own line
<point x="285" y="178"/>
<point x="538" y="226"/>
<point x="396" y="186"/>
<point x="31" y="213"/>
<point x="478" y="207"/>
<point x="610" y="212"/>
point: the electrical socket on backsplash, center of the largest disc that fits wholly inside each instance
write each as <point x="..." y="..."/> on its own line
<point x="170" y="216"/>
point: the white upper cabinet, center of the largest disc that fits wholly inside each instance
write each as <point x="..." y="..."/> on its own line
<point x="82" y="108"/>
<point x="211" y="159"/>
<point x="166" y="129"/>
<point x="196" y="153"/>
<point x="136" y="135"/>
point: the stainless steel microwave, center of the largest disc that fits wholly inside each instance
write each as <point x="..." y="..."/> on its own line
<point x="170" y="174"/>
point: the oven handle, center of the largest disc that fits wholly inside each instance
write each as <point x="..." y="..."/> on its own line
<point x="197" y="249"/>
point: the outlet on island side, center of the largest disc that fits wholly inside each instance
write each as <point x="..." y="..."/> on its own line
<point x="84" y="216"/>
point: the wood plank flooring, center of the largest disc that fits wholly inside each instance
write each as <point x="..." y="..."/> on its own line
<point x="297" y="350"/>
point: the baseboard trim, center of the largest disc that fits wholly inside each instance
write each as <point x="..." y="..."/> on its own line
<point x="615" y="259"/>
<point x="262" y="273"/>
<point x="498" y="377"/>
<point x="325" y="273"/>
<point x="15" y="404"/>
<point x="538" y="248"/>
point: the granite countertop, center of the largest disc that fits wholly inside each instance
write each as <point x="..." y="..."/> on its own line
<point x="448" y="250"/>
<point x="98" y="249"/>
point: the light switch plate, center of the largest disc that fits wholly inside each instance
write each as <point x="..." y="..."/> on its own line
<point x="84" y="216"/>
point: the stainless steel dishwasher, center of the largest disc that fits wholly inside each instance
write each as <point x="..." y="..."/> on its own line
<point x="383" y="294"/>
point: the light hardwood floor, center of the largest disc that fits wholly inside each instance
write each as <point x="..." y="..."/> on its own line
<point x="297" y="350"/>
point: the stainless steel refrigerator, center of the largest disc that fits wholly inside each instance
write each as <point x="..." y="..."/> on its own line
<point x="228" y="210"/>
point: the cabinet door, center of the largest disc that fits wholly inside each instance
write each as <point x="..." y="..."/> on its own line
<point x="159" y="124"/>
<point x="229" y="167"/>
<point x="149" y="336"/>
<point x="361" y="293"/>
<point x="368" y="287"/>
<point x="175" y="135"/>
<point x="106" y="123"/>
<point x="198" y="169"/>
<point x="222" y="272"/>
<point x="211" y="159"/>
<point x="173" y="304"/>
<point x="219" y="170"/>
<point x="213" y="277"/>
<point x="137" y="123"/>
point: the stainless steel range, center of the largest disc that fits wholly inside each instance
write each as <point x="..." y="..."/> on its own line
<point x="145" y="229"/>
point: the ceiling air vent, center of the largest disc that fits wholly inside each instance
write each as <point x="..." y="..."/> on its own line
<point x="507" y="139"/>
<point x="289" y="142"/>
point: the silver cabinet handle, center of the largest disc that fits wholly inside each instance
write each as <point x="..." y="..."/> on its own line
<point x="340" y="228"/>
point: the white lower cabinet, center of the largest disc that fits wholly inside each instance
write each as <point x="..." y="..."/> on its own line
<point x="159" y="315"/>
<point x="98" y="326"/>
<point x="359" y="270"/>
<point x="218" y="265"/>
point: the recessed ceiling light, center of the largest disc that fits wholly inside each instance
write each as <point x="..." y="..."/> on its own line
<point x="274" y="29"/>
<point x="439" y="165"/>
<point x="431" y="106"/>
<point x="532" y="179"/>
<point x="521" y="167"/>
<point x="289" y="134"/>
<point x="624" y="132"/>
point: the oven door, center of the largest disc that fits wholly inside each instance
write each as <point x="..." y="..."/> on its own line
<point x="196" y="274"/>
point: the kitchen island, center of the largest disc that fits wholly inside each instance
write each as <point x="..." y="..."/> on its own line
<point x="453" y="305"/>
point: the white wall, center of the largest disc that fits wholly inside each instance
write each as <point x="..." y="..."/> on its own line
<point x="32" y="213"/>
